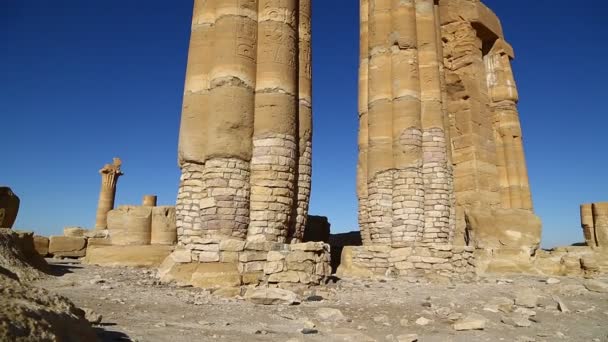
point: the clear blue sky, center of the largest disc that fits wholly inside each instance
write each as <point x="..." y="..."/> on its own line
<point x="84" y="81"/>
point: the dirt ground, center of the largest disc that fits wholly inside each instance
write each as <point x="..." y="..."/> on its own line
<point x="135" y="307"/>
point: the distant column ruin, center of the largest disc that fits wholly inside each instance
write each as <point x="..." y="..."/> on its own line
<point x="594" y="221"/>
<point x="109" y="177"/>
<point x="149" y="200"/>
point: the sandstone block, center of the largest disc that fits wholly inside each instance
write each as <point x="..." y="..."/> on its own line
<point x="9" y="207"/>
<point x="41" y="244"/>
<point x="163" y="228"/>
<point x="271" y="296"/>
<point x="232" y="245"/>
<point x="309" y="247"/>
<point x="64" y="246"/>
<point x="471" y="322"/>
<point x="504" y="228"/>
<point x="129" y="256"/>
<point x="74" y="231"/>
<point x="284" y="277"/>
<point x="130" y="225"/>
<point x="215" y="275"/>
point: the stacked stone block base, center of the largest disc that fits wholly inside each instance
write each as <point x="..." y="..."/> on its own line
<point x="453" y="262"/>
<point x="227" y="263"/>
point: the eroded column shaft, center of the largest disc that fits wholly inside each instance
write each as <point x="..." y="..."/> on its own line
<point x="362" y="192"/>
<point x="304" y="173"/>
<point x="408" y="187"/>
<point x="600" y="223"/>
<point x="275" y="145"/>
<point x="588" y="225"/>
<point x="436" y="171"/>
<point x="380" y="132"/>
<point x="107" y="193"/>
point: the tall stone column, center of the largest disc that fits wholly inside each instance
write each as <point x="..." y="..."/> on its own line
<point x="511" y="163"/>
<point x="245" y="137"/>
<point x="408" y="198"/>
<point x="107" y="193"/>
<point x="407" y="153"/>
<point x="275" y="144"/>
<point x="304" y="173"/>
<point x="362" y="193"/>
<point x="437" y="173"/>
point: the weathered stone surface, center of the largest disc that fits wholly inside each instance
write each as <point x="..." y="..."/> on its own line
<point x="214" y="275"/>
<point x="131" y="256"/>
<point x="130" y="225"/>
<point x="163" y="229"/>
<point x="330" y="315"/>
<point x="64" y="246"/>
<point x="9" y="207"/>
<point x="504" y="228"/>
<point x="74" y="231"/>
<point x="596" y="286"/>
<point x="271" y="296"/>
<point x="471" y="322"/>
<point x="41" y="244"/>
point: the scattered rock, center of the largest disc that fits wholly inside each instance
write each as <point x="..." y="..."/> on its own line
<point x="404" y="322"/>
<point x="308" y="331"/>
<point x="561" y="306"/>
<point x="526" y="298"/>
<point x="471" y="322"/>
<point x="552" y="281"/>
<point x="92" y="316"/>
<point x="271" y="296"/>
<point x="381" y="319"/>
<point x="330" y="315"/>
<point x="423" y="321"/>
<point x="407" y="338"/>
<point x="518" y="320"/>
<point x="596" y="286"/>
<point x="502" y="304"/>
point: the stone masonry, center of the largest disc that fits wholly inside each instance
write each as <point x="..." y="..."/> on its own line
<point x="441" y="156"/>
<point x="245" y="146"/>
<point x="440" y="139"/>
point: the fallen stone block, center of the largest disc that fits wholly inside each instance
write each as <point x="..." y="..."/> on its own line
<point x="471" y="322"/>
<point x="41" y="244"/>
<point x="67" y="247"/>
<point x="271" y="296"/>
<point x="74" y="231"/>
<point x="130" y="256"/>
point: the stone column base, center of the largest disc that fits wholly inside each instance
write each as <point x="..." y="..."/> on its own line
<point x="453" y="262"/>
<point x="230" y="263"/>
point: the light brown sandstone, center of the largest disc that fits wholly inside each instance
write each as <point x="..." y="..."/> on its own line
<point x="41" y="244"/>
<point x="130" y="225"/>
<point x="246" y="128"/>
<point x="68" y="247"/>
<point x="127" y="256"/>
<point x="149" y="201"/>
<point x="109" y="178"/>
<point x="163" y="229"/>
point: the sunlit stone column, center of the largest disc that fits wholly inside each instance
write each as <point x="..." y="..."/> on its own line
<point x="305" y="121"/>
<point x="109" y="177"/>
<point x="588" y="225"/>
<point x="436" y="169"/>
<point x="362" y="192"/>
<point x="275" y="136"/>
<point x="149" y="201"/>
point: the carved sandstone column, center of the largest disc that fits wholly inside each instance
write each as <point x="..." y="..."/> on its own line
<point x="245" y="138"/>
<point x="408" y="198"/>
<point x="511" y="163"/>
<point x="304" y="174"/>
<point x="362" y="192"/>
<point x="107" y="193"/>
<point x="437" y="174"/>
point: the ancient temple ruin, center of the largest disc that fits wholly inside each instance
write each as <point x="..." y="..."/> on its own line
<point x="107" y="194"/>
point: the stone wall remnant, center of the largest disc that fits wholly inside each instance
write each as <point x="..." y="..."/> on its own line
<point x="109" y="178"/>
<point x="130" y="225"/>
